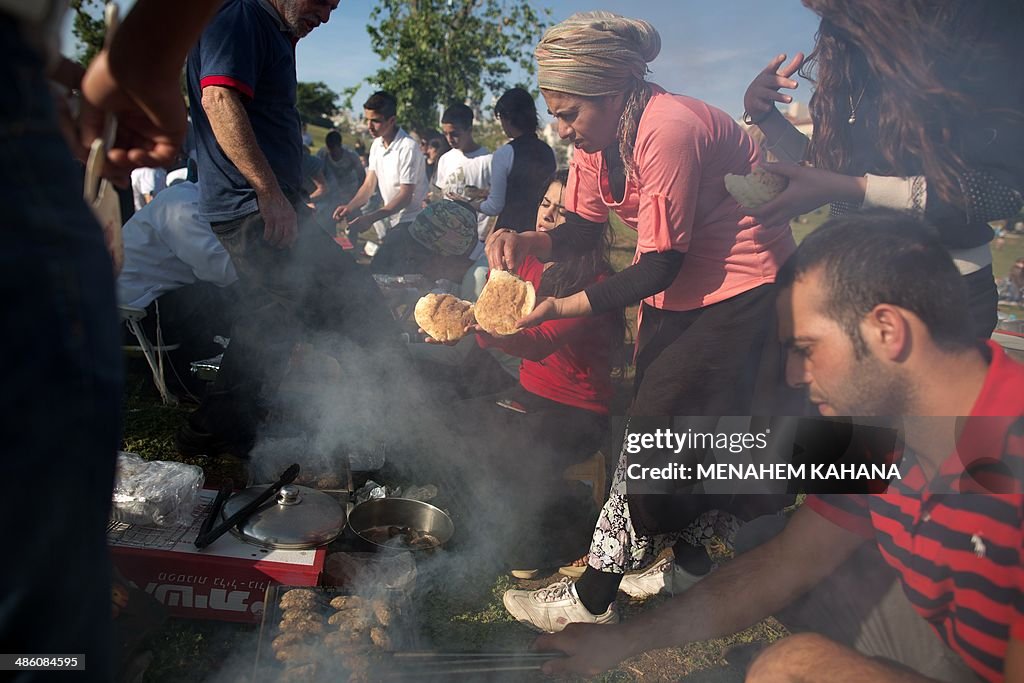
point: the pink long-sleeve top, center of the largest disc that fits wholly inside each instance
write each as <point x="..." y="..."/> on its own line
<point x="678" y="201"/>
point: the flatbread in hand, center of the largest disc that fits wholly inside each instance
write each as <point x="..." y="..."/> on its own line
<point x="443" y="317"/>
<point x="757" y="188"/>
<point x="504" y="300"/>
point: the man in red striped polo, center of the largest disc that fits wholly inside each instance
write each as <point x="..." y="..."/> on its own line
<point x="924" y="582"/>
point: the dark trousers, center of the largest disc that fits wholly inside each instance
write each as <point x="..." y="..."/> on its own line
<point x="709" y="361"/>
<point x="312" y="291"/>
<point x="723" y="359"/>
<point x="60" y="408"/>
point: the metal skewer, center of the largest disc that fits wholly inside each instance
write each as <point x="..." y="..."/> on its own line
<point x="464" y="670"/>
<point x="429" y="654"/>
<point x="427" y="663"/>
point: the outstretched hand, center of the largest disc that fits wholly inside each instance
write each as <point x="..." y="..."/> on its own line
<point x="469" y="329"/>
<point x="763" y="91"/>
<point x="505" y="250"/>
<point x="808" y="189"/>
<point x="546" y="310"/>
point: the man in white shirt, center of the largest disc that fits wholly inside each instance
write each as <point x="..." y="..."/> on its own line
<point x="146" y="183"/>
<point x="464" y="171"/>
<point x="396" y="167"/>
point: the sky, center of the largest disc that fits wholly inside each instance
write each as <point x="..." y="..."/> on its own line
<point x="711" y="49"/>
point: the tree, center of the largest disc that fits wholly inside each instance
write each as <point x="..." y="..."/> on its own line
<point x="88" y="28"/>
<point x="316" y="103"/>
<point x="447" y="51"/>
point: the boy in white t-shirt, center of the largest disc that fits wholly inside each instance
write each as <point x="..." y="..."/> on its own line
<point x="464" y="171"/>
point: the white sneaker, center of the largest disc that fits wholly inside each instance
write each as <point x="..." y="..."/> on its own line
<point x="664" y="576"/>
<point x="551" y="609"/>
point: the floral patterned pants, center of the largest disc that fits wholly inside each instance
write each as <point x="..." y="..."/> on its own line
<point x="617" y="547"/>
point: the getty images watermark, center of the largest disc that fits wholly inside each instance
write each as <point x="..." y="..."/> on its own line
<point x="736" y="453"/>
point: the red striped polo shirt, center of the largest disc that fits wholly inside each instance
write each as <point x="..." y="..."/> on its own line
<point x="958" y="540"/>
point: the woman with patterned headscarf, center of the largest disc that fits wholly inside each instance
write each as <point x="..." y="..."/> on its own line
<point x="703" y="270"/>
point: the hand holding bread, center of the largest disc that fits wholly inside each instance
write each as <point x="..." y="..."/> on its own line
<point x="756" y="188"/>
<point x="504" y="300"/>
<point x="444" y="317"/>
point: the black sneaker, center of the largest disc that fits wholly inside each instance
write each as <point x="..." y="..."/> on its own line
<point x="193" y="442"/>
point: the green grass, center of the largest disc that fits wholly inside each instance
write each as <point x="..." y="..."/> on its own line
<point x="319" y="134"/>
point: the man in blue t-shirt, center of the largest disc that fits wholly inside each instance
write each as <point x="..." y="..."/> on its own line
<point x="293" y="278"/>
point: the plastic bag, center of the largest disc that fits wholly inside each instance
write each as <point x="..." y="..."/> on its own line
<point x="157" y="493"/>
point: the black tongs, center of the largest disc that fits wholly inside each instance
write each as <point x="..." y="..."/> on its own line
<point x="207" y="536"/>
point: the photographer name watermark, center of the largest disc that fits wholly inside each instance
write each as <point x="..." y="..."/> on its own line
<point x="763" y="472"/>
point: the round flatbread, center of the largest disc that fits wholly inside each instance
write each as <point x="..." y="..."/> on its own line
<point x="757" y="188"/>
<point x="504" y="300"/>
<point x="443" y="317"/>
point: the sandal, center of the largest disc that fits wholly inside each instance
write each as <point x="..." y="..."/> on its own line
<point x="576" y="569"/>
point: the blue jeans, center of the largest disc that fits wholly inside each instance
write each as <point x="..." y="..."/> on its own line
<point x="60" y="365"/>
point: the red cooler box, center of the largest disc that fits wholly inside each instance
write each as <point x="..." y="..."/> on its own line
<point x="225" y="581"/>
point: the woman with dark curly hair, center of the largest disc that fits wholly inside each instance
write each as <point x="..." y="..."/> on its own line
<point x="918" y="106"/>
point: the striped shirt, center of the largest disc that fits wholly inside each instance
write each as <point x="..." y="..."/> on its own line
<point x="957" y="541"/>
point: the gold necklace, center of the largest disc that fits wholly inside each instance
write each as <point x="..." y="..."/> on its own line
<point x="853" y="107"/>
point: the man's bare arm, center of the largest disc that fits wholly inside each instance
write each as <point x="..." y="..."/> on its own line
<point x="319" y="184"/>
<point x="1013" y="665"/>
<point x="362" y="196"/>
<point x="754" y="585"/>
<point x="747" y="589"/>
<point x="397" y="203"/>
<point x="234" y="133"/>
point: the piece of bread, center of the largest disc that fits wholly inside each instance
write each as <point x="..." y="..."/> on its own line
<point x="504" y="300"/>
<point x="757" y="188"/>
<point x="443" y="317"/>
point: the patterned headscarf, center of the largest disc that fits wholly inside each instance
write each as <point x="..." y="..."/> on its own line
<point x="595" y="54"/>
<point x="446" y="227"/>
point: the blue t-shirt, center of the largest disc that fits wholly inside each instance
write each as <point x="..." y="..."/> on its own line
<point x="246" y="47"/>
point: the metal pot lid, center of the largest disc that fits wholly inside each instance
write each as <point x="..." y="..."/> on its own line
<point x="299" y="517"/>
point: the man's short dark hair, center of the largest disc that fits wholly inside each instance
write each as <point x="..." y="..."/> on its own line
<point x="458" y="115"/>
<point x="333" y="139"/>
<point x="882" y="256"/>
<point x="382" y="102"/>
<point x="518" y="108"/>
